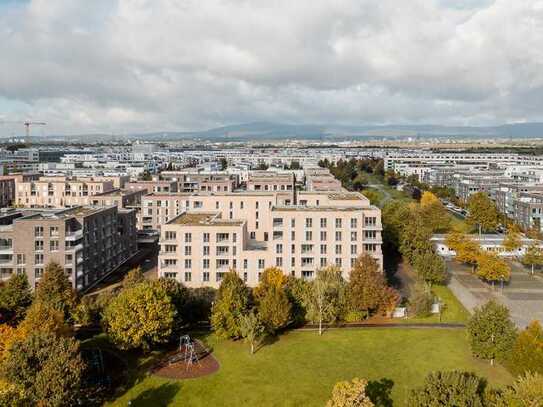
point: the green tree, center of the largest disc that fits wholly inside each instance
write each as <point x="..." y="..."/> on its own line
<point x="43" y="317"/>
<point x="140" y="316"/>
<point x="491" y="268"/>
<point x="350" y="394"/>
<point x="420" y="303"/>
<point x="298" y="292"/>
<point x="326" y="301"/>
<point x="224" y="163"/>
<point x="48" y="367"/>
<point x="526" y="391"/>
<point x="251" y="329"/>
<point x="231" y="303"/>
<point x="533" y="256"/>
<point x="15" y="298"/>
<point x="55" y="289"/>
<point x="133" y="277"/>
<point x="527" y="353"/>
<point x="512" y="240"/>
<point x="415" y="237"/>
<point x="482" y="212"/>
<point x="452" y="389"/>
<point x="179" y="296"/>
<point x="274" y="308"/>
<point x="491" y="332"/>
<point x="466" y="249"/>
<point x="12" y="395"/>
<point x="430" y="268"/>
<point x="360" y="182"/>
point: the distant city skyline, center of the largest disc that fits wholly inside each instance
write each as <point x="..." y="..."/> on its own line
<point x="138" y="66"/>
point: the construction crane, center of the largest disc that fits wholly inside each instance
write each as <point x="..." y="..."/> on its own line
<point x="27" y="125"/>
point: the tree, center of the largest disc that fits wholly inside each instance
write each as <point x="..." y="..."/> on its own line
<point x="526" y="391"/>
<point x="327" y="296"/>
<point x="430" y="268"/>
<point x="360" y="182"/>
<point x="223" y="163"/>
<point x="55" y="289"/>
<point x="140" y="316"/>
<point x="491" y="332"/>
<point x="12" y="395"/>
<point x="434" y="215"/>
<point x="367" y="290"/>
<point x="43" y="317"/>
<point x="133" y="277"/>
<point x="491" y="268"/>
<point x="231" y="303"/>
<point x="428" y="199"/>
<point x="482" y="212"/>
<point x="274" y="308"/>
<point x="415" y="237"/>
<point x="453" y="389"/>
<point x="48" y="367"/>
<point x="420" y="303"/>
<point x="533" y="256"/>
<point x="298" y="292"/>
<point x="512" y="241"/>
<point x="350" y="394"/>
<point x="15" y="298"/>
<point x="527" y="353"/>
<point x="178" y="294"/>
<point x="466" y="249"/>
<point x="251" y="329"/>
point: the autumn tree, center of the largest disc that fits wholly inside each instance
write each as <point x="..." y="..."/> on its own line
<point x="435" y="216"/>
<point x="430" y="268"/>
<point x="490" y="267"/>
<point x="526" y="391"/>
<point x="48" y="367"/>
<point x="231" y="303"/>
<point x="449" y="389"/>
<point x="133" y="277"/>
<point x="466" y="249"/>
<point x="428" y="199"/>
<point x="13" y="395"/>
<point x="140" y="316"/>
<point x="43" y="317"/>
<point x="533" y="256"/>
<point x="482" y="212"/>
<point x="15" y="298"/>
<point x="272" y="301"/>
<point x="251" y="329"/>
<point x="491" y="332"/>
<point x="179" y="297"/>
<point x="527" y="352"/>
<point x="415" y="237"/>
<point x="326" y="300"/>
<point x="350" y="394"/>
<point x="421" y="300"/>
<point x="367" y="288"/>
<point x="55" y="289"/>
<point x="512" y="240"/>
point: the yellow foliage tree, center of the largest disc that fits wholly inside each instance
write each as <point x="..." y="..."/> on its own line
<point x="271" y="277"/>
<point x="42" y="317"/>
<point x="491" y="268"/>
<point x="467" y="250"/>
<point x="428" y="198"/>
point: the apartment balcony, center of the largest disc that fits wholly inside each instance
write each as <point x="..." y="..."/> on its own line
<point x="168" y="267"/>
<point x="74" y="235"/>
<point x="6" y="262"/>
<point x="74" y="248"/>
<point x="6" y="249"/>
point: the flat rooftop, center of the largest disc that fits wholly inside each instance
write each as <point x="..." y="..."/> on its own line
<point x="203" y="219"/>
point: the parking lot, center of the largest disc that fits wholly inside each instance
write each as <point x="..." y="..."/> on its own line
<point x="523" y="295"/>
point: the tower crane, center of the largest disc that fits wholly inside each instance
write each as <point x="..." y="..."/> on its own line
<point x="27" y="124"/>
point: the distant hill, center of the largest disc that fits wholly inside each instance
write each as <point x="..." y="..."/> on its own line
<point x="270" y="131"/>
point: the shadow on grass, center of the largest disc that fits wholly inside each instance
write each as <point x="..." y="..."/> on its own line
<point x="266" y="341"/>
<point x="379" y="392"/>
<point x="160" y="396"/>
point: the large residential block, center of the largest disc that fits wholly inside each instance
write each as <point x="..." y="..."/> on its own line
<point x="204" y="236"/>
<point x="88" y="242"/>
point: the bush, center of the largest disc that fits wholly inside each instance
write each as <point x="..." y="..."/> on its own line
<point x="350" y="394"/>
<point x="453" y="389"/>
<point x="355" y="316"/>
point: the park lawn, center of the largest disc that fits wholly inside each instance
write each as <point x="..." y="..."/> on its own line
<point x="454" y="311"/>
<point x="300" y="368"/>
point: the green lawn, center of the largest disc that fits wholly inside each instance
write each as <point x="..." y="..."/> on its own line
<point x="300" y="368"/>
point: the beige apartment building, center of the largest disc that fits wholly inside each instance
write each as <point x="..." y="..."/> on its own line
<point x="57" y="192"/>
<point x="270" y="181"/>
<point x="201" y="182"/>
<point x="88" y="242"/>
<point x="152" y="186"/>
<point x="205" y="235"/>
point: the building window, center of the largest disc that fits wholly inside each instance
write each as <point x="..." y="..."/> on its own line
<point x="353" y="249"/>
<point x="293" y="261"/>
<point x="205" y="276"/>
<point x="188" y="237"/>
<point x="38" y="245"/>
<point x="279" y="261"/>
<point x="38" y="258"/>
<point x="188" y="250"/>
<point x="308" y="235"/>
<point x="206" y="250"/>
<point x="370" y="221"/>
<point x="205" y="264"/>
<point x="338" y="249"/>
<point x="293" y="235"/>
<point x="354" y="236"/>
<point x="188" y="263"/>
<point x="38" y="272"/>
<point x="21" y="259"/>
<point x="354" y="223"/>
<point x="323" y="261"/>
<point x="323" y="222"/>
<point x="353" y="261"/>
<point x="261" y="263"/>
<point x="338" y="236"/>
<point x="53" y="245"/>
<point x="206" y="237"/>
<point x="252" y="235"/>
<point x="53" y="231"/>
<point x="170" y="235"/>
<point x="38" y="231"/>
<point x="278" y="248"/>
<point x="293" y="223"/>
<point x="245" y="276"/>
<point x="170" y="248"/>
<point x="338" y="261"/>
<point x="370" y="234"/>
<point x="323" y="235"/>
<point x="338" y="222"/>
<point x="308" y="222"/>
<point x="323" y="249"/>
<point x="188" y="276"/>
<point x="234" y="237"/>
<point x="245" y="265"/>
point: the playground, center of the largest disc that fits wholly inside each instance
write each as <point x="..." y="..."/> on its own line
<point x="190" y="360"/>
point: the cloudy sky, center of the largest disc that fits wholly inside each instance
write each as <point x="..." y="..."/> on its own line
<point x="145" y="65"/>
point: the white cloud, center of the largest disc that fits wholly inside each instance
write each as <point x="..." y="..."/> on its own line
<point x="137" y="65"/>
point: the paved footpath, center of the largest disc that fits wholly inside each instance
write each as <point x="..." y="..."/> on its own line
<point x="523" y="295"/>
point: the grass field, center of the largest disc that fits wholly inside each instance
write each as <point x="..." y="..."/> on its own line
<point x="300" y="368"/>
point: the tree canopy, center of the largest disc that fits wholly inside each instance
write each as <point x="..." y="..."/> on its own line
<point x="490" y="267"/>
<point x="482" y="212"/>
<point x="350" y="394"/>
<point x="15" y="298"/>
<point x="55" y="289"/>
<point x="533" y="256"/>
<point x="527" y="353"/>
